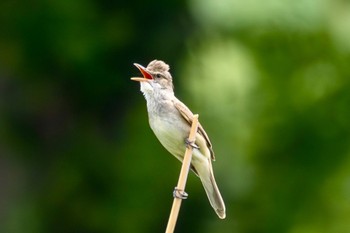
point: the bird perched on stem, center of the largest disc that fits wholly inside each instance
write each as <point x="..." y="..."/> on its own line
<point x="171" y="121"/>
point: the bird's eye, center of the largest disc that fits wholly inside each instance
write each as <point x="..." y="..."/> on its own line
<point x="158" y="75"/>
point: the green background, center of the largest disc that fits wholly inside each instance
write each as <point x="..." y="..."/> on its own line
<point x="270" y="81"/>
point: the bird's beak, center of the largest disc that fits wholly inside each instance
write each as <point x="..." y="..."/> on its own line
<point x="146" y="75"/>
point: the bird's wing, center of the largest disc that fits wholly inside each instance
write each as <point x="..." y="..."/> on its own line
<point x="188" y="116"/>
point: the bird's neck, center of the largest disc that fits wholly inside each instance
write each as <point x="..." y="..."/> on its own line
<point x="156" y="100"/>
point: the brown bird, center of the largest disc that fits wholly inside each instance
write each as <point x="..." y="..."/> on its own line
<point x="171" y="121"/>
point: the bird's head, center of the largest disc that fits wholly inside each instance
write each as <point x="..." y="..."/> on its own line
<point x="156" y="77"/>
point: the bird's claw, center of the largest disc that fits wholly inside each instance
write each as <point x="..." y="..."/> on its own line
<point x="179" y="193"/>
<point x="191" y="143"/>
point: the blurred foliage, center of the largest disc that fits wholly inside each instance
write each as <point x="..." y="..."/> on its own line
<point x="270" y="81"/>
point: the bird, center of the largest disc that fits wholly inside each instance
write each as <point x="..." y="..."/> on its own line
<point x="171" y="120"/>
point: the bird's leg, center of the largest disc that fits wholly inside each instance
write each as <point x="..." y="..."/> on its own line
<point x="191" y="144"/>
<point x="179" y="193"/>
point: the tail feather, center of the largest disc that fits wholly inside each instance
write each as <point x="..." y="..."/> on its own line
<point x="212" y="191"/>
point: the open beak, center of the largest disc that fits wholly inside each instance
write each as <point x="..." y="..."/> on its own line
<point x="146" y="75"/>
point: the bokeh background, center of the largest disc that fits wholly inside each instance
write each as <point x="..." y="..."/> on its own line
<point x="270" y="80"/>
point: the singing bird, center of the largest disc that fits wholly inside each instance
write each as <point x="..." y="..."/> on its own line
<point x="171" y="121"/>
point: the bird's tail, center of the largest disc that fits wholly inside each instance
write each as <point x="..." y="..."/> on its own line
<point x="207" y="177"/>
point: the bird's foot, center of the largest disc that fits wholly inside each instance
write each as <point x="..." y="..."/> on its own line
<point x="179" y="193"/>
<point x="191" y="144"/>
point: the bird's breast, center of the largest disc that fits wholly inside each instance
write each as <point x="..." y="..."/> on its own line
<point x="171" y="131"/>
